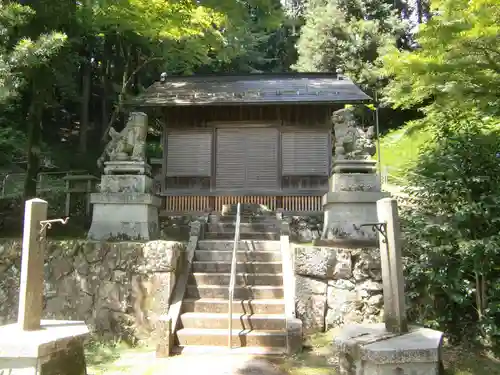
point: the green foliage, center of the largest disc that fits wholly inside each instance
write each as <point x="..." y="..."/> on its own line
<point x="399" y="150"/>
<point x="20" y="53"/>
<point x="347" y="35"/>
<point x="452" y="232"/>
<point x="456" y="64"/>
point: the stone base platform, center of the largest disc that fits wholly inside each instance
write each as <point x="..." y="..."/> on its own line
<point x="55" y="349"/>
<point x="368" y="349"/>
<point x="127" y="216"/>
<point x="346" y="211"/>
<point x="126" y="167"/>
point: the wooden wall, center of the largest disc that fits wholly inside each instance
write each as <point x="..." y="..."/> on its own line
<point x="302" y="170"/>
<point x="292" y="115"/>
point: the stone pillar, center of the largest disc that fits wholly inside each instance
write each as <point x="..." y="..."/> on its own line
<point x="355" y="187"/>
<point x="392" y="267"/>
<point x="32" y="262"/>
<point x="126" y="207"/>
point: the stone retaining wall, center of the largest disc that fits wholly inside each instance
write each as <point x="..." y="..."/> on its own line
<point x="336" y="286"/>
<point x="305" y="229"/>
<point x="109" y="285"/>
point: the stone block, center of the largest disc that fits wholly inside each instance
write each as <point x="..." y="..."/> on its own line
<point x="55" y="349"/>
<point x="127" y="167"/>
<point x="322" y="262"/>
<point x="162" y="256"/>
<point x="126" y="184"/>
<point x="310" y="303"/>
<point x="355" y="182"/>
<point x="369" y="349"/>
<point x="366" y="166"/>
<point x="131" y="216"/>
<point x="345" y="211"/>
<point x="294" y="336"/>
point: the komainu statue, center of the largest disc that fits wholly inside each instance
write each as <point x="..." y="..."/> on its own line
<point x="352" y="142"/>
<point x="130" y="143"/>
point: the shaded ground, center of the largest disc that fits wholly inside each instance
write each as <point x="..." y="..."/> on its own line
<point x="316" y="359"/>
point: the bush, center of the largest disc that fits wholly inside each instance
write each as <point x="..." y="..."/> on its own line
<point x="453" y="234"/>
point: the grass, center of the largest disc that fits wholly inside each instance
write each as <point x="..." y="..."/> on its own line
<point x="400" y="148"/>
<point x="108" y="357"/>
<point x="317" y="358"/>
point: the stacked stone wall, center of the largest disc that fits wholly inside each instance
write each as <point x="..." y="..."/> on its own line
<point x="336" y="286"/>
<point x="108" y="285"/>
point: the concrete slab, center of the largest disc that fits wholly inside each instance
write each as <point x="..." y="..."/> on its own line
<point x="55" y="349"/>
<point x="52" y="336"/>
<point x="369" y="349"/>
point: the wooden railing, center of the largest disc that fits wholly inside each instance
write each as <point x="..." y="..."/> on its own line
<point x="301" y="204"/>
<point x="195" y="203"/>
<point x="187" y="204"/>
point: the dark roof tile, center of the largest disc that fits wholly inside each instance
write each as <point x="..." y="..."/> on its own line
<point x="294" y="88"/>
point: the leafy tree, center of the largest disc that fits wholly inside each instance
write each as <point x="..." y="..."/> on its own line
<point x="20" y="53"/>
<point x="347" y="35"/>
<point x="25" y="54"/>
<point x="452" y="230"/>
<point x="71" y="65"/>
<point x="456" y="64"/>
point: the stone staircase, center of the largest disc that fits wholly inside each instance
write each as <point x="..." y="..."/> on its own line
<point x="258" y="320"/>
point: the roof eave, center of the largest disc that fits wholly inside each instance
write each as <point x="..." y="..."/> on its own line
<point x="140" y="104"/>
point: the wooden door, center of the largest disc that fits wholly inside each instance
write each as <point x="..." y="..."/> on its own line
<point x="247" y="159"/>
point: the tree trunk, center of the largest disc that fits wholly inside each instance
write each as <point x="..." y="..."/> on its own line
<point x="84" y="111"/>
<point x="420" y="11"/>
<point x="105" y="74"/>
<point x="33" y="151"/>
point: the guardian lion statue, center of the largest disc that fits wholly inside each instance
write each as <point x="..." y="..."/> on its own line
<point x="129" y="144"/>
<point x="351" y="140"/>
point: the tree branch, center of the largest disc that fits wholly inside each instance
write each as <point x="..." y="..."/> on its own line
<point x="125" y="85"/>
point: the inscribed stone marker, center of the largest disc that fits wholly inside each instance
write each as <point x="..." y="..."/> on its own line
<point x="32" y="263"/>
<point x="392" y="267"/>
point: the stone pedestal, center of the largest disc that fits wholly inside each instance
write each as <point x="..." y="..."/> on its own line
<point x="355" y="189"/>
<point x="126" y="167"/>
<point x="56" y="348"/>
<point x="368" y="349"/>
<point x="125" y="208"/>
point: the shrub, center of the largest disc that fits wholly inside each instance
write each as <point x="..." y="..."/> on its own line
<point x="453" y="233"/>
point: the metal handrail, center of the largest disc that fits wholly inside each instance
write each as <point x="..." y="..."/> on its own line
<point x="232" y="280"/>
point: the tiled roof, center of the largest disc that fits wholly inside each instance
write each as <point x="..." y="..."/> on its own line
<point x="293" y="88"/>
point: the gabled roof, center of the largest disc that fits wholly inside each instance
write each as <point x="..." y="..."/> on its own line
<point x="251" y="89"/>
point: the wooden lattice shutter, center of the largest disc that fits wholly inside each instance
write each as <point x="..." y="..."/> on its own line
<point x="189" y="153"/>
<point x="247" y="159"/>
<point x="230" y="160"/>
<point x="305" y="153"/>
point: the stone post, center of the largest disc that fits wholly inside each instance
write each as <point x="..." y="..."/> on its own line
<point x="392" y="267"/>
<point x="32" y="259"/>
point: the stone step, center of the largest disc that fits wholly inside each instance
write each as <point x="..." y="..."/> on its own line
<point x="244" y="236"/>
<point x="241" y="267"/>
<point x="243" y="245"/>
<point x="241" y="256"/>
<point x="219" y="337"/>
<point x="210" y="278"/>
<point x="244" y="218"/>
<point x="240" y="292"/>
<point x="270" y="322"/>
<point x="256" y="306"/>
<point x="244" y="227"/>
<point x="255" y="352"/>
